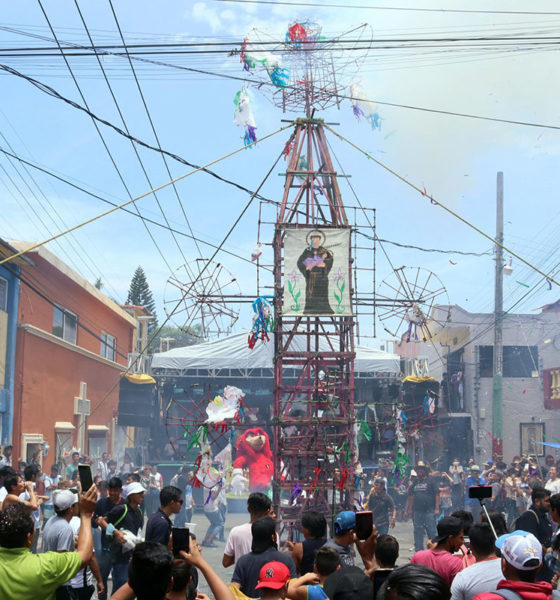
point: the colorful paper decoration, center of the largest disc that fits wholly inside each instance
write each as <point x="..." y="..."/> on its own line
<point x="364" y="108"/>
<point x="252" y="55"/>
<point x="243" y="116"/>
<point x="226" y="406"/>
<point x="263" y="321"/>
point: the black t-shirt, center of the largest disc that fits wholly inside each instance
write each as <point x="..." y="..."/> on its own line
<point x="102" y="508"/>
<point x="423" y="492"/>
<point x="382" y="508"/>
<point x="249" y="565"/>
<point x="133" y="521"/>
<point x="310" y="548"/>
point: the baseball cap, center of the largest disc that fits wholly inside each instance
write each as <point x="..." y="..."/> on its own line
<point x="273" y="575"/>
<point x="488" y="463"/>
<point x="350" y="583"/>
<point x="344" y="521"/>
<point x="134" y="488"/>
<point x="447" y="526"/>
<point x="520" y="547"/>
<point x="421" y="464"/>
<point x="474" y="468"/>
<point x="63" y="499"/>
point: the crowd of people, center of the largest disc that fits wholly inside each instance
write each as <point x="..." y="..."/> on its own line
<point x="118" y="534"/>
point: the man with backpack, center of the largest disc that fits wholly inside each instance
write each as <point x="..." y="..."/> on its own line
<point x="129" y="517"/>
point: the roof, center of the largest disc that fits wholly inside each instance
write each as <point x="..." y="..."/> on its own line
<point x="61" y="266"/>
<point x="232" y="352"/>
<point x="6" y="250"/>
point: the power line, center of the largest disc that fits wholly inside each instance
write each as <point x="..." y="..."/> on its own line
<point x="112" y="159"/>
<point x="394" y="8"/>
<point x="47" y="89"/>
<point x="152" y="125"/>
<point x="134" y="214"/>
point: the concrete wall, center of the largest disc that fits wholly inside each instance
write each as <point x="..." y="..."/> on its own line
<point x="523" y="398"/>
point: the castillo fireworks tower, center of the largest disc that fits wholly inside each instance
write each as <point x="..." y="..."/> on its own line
<point x="313" y="417"/>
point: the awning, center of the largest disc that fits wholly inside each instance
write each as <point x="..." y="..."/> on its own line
<point x="416" y="379"/>
<point x="63" y="426"/>
<point x="138" y="378"/>
<point x="98" y="428"/>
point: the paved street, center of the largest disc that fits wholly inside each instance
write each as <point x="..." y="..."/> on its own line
<point x="402" y="531"/>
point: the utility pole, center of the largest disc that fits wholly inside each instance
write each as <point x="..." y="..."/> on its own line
<point x="497" y="424"/>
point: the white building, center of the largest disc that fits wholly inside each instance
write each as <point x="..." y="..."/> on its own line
<point x="463" y="349"/>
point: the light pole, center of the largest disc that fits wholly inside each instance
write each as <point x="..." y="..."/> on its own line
<point x="498" y="361"/>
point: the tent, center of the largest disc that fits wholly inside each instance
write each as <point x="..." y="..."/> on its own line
<point x="232" y="352"/>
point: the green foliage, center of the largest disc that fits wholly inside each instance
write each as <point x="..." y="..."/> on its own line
<point x="180" y="337"/>
<point x="139" y="293"/>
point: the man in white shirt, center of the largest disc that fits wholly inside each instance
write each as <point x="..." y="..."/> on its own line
<point x="486" y="572"/>
<point x="103" y="466"/>
<point x="4" y="472"/>
<point x="240" y="538"/>
<point x="6" y="460"/>
<point x="51" y="484"/>
<point x="553" y="483"/>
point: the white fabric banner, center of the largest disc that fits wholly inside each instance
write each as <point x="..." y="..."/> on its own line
<point x="316" y="272"/>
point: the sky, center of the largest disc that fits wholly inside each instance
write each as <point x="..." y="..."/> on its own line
<point x="454" y="158"/>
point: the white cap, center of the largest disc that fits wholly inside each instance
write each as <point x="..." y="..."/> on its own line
<point x="134" y="488"/>
<point x="63" y="499"/>
<point x="520" y="547"/>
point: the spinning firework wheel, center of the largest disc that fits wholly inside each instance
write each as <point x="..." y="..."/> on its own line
<point x="198" y="299"/>
<point x="410" y="295"/>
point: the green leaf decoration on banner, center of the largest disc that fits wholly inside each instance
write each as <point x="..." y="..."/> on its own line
<point x="365" y="431"/>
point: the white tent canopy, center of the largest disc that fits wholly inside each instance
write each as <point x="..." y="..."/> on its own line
<point x="233" y="352"/>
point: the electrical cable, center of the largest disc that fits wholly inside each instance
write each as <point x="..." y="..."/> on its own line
<point x="134" y="214"/>
<point x="193" y="283"/>
<point x="49" y="90"/>
<point x="133" y="200"/>
<point x="151" y="123"/>
<point x="112" y="159"/>
<point x="135" y="149"/>
<point x="437" y="203"/>
<point x="394" y="8"/>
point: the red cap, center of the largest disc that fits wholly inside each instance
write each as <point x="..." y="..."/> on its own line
<point x="273" y="575"/>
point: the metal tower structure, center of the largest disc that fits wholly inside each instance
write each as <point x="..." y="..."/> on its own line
<point x="314" y="440"/>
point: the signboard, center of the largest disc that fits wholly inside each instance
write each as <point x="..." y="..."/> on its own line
<point x="316" y="273"/>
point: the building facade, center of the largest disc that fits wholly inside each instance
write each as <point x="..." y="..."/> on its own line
<point x="9" y="297"/>
<point x="460" y="356"/>
<point x="72" y="344"/>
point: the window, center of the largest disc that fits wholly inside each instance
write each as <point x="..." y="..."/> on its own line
<point x="108" y="346"/>
<point x="519" y="361"/>
<point x="65" y="324"/>
<point x="3" y="294"/>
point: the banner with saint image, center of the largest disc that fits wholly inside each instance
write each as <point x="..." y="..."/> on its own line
<point x="316" y="277"/>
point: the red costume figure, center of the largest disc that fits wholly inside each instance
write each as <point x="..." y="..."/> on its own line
<point x="253" y="452"/>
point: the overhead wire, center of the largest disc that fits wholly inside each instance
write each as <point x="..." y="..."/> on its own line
<point x="435" y="202"/>
<point x="49" y="90"/>
<point x="103" y="141"/>
<point x="144" y="103"/>
<point x="144" y="195"/>
<point x="135" y="149"/>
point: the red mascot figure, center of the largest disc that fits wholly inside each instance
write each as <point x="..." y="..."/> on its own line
<point x="253" y="452"/>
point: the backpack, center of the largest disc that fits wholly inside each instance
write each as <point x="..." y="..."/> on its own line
<point x="515" y="523"/>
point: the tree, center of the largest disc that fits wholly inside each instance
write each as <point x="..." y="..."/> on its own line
<point x="139" y="293"/>
<point x="180" y="338"/>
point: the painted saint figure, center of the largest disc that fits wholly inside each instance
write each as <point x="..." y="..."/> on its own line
<point x="315" y="264"/>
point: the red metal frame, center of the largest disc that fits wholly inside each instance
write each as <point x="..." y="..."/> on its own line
<point x="314" y="450"/>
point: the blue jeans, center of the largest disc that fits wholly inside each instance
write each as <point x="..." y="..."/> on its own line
<point x="120" y="575"/>
<point x="216" y="523"/>
<point x="382" y="528"/>
<point x="104" y="560"/>
<point x="423" y="520"/>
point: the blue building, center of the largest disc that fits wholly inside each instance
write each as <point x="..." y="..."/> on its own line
<point x="9" y="299"/>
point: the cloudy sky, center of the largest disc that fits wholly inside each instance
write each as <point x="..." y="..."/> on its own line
<point x="490" y="59"/>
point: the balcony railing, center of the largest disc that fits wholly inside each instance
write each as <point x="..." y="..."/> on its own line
<point x="139" y="363"/>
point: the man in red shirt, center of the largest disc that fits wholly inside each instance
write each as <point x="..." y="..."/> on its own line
<point x="521" y="561"/>
<point x="441" y="559"/>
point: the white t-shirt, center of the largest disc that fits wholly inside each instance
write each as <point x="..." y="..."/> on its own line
<point x="480" y="577"/>
<point x="36" y="514"/>
<point x="48" y="482"/>
<point x="553" y="486"/>
<point x="239" y="541"/>
<point x="78" y="580"/>
<point x="3" y="493"/>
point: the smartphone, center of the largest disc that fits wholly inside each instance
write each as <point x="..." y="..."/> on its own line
<point x="86" y="480"/>
<point x="180" y="539"/>
<point x="364" y="524"/>
<point x="480" y="491"/>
